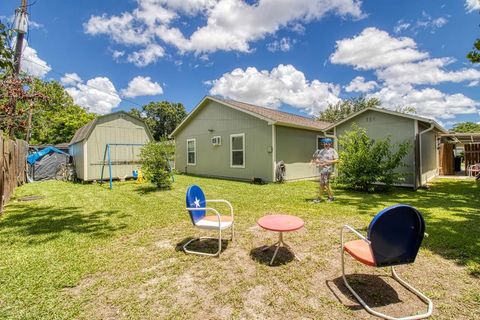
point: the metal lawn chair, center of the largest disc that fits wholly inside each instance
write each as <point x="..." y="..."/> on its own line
<point x="197" y="208"/>
<point x="393" y="238"/>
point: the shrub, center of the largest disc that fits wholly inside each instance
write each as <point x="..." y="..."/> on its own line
<point x="155" y="157"/>
<point x="365" y="163"/>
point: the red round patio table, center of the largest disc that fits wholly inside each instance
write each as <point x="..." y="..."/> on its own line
<point x="280" y="223"/>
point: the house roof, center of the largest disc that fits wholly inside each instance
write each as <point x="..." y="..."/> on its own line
<point x="271" y="116"/>
<point x="83" y="133"/>
<point x="396" y="113"/>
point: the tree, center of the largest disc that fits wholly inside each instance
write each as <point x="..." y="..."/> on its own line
<point x="155" y="157"/>
<point x="162" y="117"/>
<point x="365" y="162"/>
<point x="6" y="53"/>
<point x="474" y="55"/>
<point x="57" y="118"/>
<point x="470" y="127"/>
<point x="342" y="109"/>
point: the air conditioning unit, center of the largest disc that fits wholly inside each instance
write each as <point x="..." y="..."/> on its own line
<point x="217" y="141"/>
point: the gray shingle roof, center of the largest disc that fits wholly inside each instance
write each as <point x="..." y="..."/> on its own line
<point x="280" y="116"/>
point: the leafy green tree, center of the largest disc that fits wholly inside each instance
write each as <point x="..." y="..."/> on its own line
<point x="56" y="118"/>
<point x="364" y="162"/>
<point x="162" y="117"/>
<point x="474" y="55"/>
<point x="6" y="53"/>
<point x="470" y="127"/>
<point x="155" y="157"/>
<point x="342" y="109"/>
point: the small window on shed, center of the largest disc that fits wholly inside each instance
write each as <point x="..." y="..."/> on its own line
<point x="237" y="150"/>
<point x="191" y="151"/>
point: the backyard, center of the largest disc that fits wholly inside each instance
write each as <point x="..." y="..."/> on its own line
<point x="82" y="251"/>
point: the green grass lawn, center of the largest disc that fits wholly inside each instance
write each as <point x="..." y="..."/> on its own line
<point x="86" y="252"/>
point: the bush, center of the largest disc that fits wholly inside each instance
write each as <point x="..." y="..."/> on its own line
<point x="365" y="163"/>
<point x="155" y="157"/>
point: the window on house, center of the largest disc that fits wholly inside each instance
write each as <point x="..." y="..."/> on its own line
<point x="237" y="150"/>
<point x="191" y="151"/>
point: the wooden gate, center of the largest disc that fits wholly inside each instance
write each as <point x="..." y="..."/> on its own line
<point x="13" y="165"/>
<point x="472" y="155"/>
<point x="446" y="159"/>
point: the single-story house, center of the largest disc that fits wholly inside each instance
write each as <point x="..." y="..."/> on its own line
<point x="232" y="139"/>
<point x="125" y="134"/>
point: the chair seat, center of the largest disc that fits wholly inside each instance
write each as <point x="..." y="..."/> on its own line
<point x="211" y="222"/>
<point x="361" y="251"/>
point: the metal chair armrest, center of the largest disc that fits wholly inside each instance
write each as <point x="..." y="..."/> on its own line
<point x="208" y="209"/>
<point x="348" y="228"/>
<point x="223" y="201"/>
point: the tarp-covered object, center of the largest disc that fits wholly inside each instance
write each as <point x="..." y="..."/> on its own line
<point x="44" y="164"/>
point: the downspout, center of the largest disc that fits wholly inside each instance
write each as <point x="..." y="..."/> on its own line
<point x="420" y="151"/>
<point x="274" y="150"/>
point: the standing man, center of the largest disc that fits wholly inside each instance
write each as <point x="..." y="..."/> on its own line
<point x="325" y="159"/>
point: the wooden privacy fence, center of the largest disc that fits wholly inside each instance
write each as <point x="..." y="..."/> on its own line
<point x="472" y="154"/>
<point x="13" y="165"/>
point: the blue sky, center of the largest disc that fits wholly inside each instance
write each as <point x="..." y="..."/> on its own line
<point x="296" y="56"/>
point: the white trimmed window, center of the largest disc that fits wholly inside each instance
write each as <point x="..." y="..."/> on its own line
<point x="319" y="142"/>
<point x="191" y="152"/>
<point x="237" y="150"/>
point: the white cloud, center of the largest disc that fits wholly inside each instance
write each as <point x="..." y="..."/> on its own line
<point x="70" y="79"/>
<point x="282" y="85"/>
<point x="116" y="54"/>
<point x="146" y="56"/>
<point x="359" y="85"/>
<point x="401" y="25"/>
<point x="98" y="95"/>
<point x="374" y="48"/>
<point x="428" y="102"/>
<point x="429" y="71"/>
<point x="474" y="83"/>
<point x="141" y="86"/>
<point x="32" y="64"/>
<point x="472" y="5"/>
<point x="284" y="44"/>
<point x="231" y="25"/>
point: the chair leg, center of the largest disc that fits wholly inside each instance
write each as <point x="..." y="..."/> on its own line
<point x="402" y="282"/>
<point x="205" y="253"/>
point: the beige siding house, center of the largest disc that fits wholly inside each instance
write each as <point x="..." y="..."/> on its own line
<point x="231" y="139"/>
<point x="124" y="132"/>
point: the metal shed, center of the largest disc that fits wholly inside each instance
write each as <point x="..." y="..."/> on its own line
<point x="123" y="132"/>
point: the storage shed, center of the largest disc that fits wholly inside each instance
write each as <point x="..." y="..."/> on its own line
<point x="123" y="132"/>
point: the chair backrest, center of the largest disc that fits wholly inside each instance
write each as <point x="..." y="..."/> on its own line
<point x="195" y="199"/>
<point x="396" y="234"/>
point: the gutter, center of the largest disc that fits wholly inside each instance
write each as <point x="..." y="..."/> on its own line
<point x="432" y="125"/>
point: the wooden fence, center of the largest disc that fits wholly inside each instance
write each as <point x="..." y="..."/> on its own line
<point x="13" y="165"/>
<point x="472" y="154"/>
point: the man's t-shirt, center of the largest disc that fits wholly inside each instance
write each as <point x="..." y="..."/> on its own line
<point x="323" y="155"/>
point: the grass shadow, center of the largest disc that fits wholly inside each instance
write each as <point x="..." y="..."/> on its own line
<point x="202" y="245"/>
<point x="40" y="224"/>
<point x="264" y="254"/>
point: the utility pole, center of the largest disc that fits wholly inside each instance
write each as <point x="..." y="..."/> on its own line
<point x="20" y="25"/>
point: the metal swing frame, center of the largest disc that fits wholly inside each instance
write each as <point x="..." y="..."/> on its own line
<point x="219" y="228"/>
<point x="395" y="276"/>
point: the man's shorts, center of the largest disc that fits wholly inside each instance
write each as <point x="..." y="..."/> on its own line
<point x="324" y="178"/>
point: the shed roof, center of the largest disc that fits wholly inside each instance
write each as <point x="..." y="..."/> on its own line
<point x="270" y="115"/>
<point x="83" y="133"/>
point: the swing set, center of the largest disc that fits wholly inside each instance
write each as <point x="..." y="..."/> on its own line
<point x="107" y="160"/>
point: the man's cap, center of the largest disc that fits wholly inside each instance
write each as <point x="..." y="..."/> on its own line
<point x="326" y="140"/>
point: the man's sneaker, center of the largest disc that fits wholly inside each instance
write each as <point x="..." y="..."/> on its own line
<point x="330" y="199"/>
<point x="317" y="200"/>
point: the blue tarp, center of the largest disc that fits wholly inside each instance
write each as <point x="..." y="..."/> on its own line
<point x="31" y="159"/>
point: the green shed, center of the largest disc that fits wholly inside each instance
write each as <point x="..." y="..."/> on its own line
<point x="123" y="132"/>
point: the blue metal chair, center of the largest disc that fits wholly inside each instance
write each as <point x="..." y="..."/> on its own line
<point x="197" y="208"/>
<point x="394" y="237"/>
